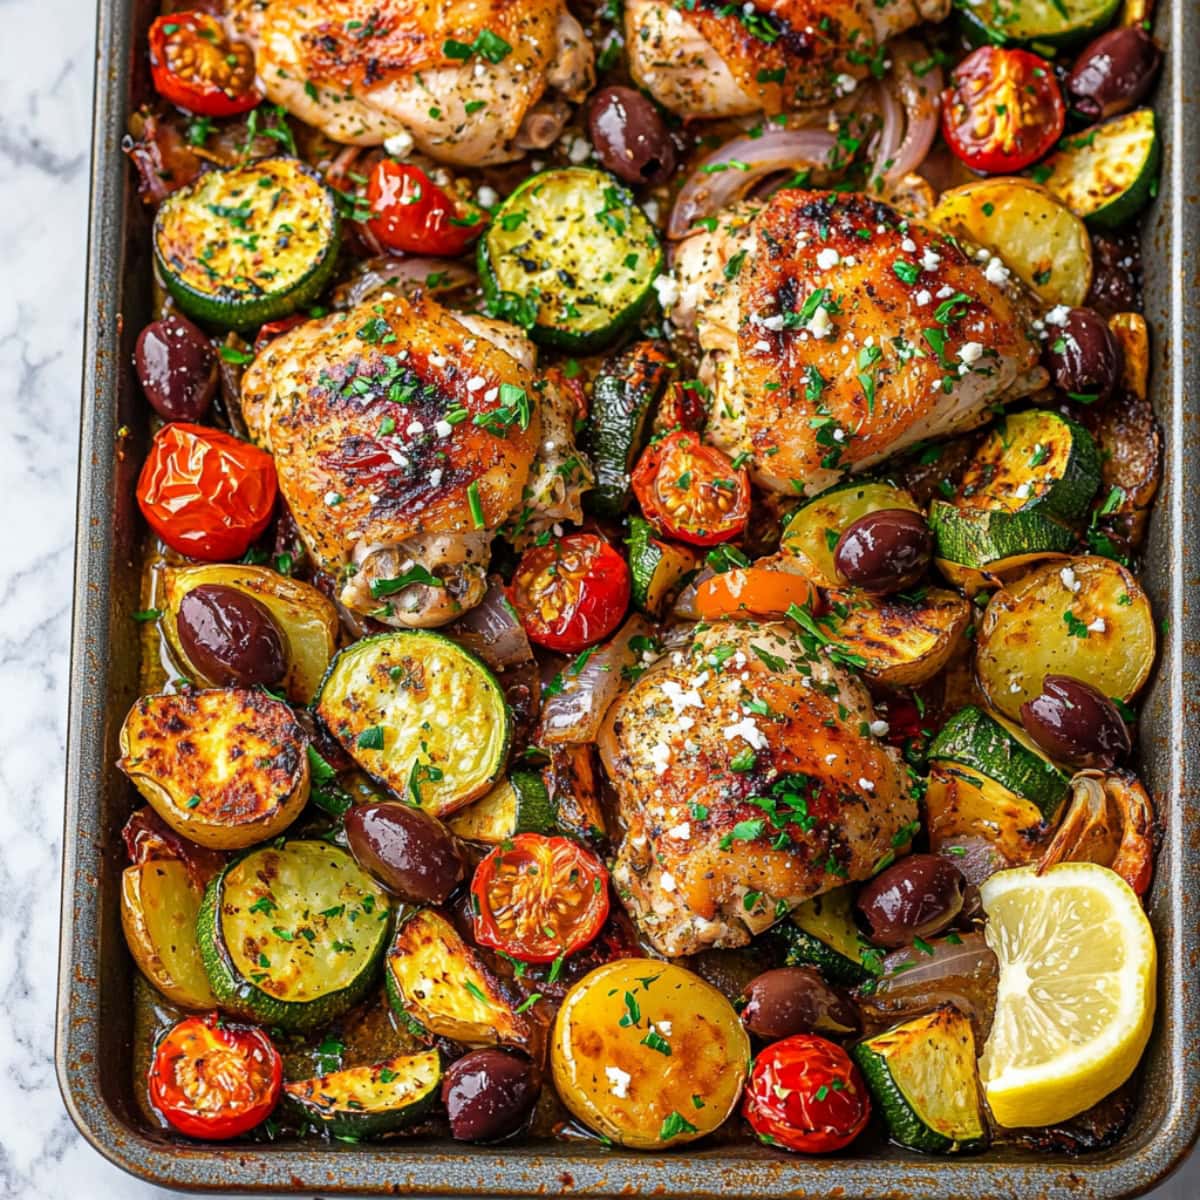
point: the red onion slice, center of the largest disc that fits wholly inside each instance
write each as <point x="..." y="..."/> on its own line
<point x="921" y="96"/>
<point x="404" y="275"/>
<point x="493" y="631"/>
<point x="728" y="173"/>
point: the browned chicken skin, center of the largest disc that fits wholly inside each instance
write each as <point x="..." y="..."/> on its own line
<point x="748" y="780"/>
<point x="836" y="333"/>
<point x="371" y="416"/>
<point x="366" y="71"/>
<point x="711" y="59"/>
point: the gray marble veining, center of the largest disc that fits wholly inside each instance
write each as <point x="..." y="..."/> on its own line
<point x="46" y="66"/>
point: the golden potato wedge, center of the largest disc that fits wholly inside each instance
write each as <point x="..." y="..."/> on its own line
<point x="902" y="642"/>
<point x="1087" y="618"/>
<point x="648" y="1054"/>
<point x="159" y="902"/>
<point x="308" y="621"/>
<point x="226" y="768"/>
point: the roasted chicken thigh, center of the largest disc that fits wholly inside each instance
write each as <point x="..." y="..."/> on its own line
<point x="748" y="780"/>
<point x="835" y="333"/>
<point x="471" y="82"/>
<point x="770" y="56"/>
<point x="404" y="436"/>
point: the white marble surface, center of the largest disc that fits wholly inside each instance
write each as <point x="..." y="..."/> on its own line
<point x="46" y="64"/>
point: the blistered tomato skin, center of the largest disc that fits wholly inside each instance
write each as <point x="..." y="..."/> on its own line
<point x="488" y="1094"/>
<point x="412" y="215"/>
<point x="176" y="367"/>
<point x="805" y="1094"/>
<point x="205" y="493"/>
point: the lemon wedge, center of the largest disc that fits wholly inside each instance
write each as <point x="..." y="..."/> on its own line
<point x="1076" y="996"/>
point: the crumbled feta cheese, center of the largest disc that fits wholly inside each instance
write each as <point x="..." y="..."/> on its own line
<point x="923" y="297"/>
<point x="1022" y="490"/>
<point x="1097" y="626"/>
<point x="679" y="698"/>
<point x="682" y="831"/>
<point x="660" y="755"/>
<point x="930" y="261"/>
<point x="400" y="144"/>
<point x="685" y="723"/>
<point x="580" y="151"/>
<point x="618" y="1080"/>
<point x="443" y="429"/>
<point x="1067" y="575"/>
<point x="774" y="323"/>
<point x="762" y="346"/>
<point x="879" y="728"/>
<point x="663" y="1027"/>
<point x="487" y="197"/>
<point x="748" y="731"/>
<point x="435" y="477"/>
<point x="995" y="272"/>
<point x="830" y="759"/>
<point x="866" y="784"/>
<point x="667" y="881"/>
<point x="1058" y="315"/>
<point x="415" y="429"/>
<point x="333" y="499"/>
<point x="819" y="324"/>
<point x="667" y="288"/>
<point x="650" y="207"/>
<point x="970" y="352"/>
<point x="908" y="246"/>
<point x="845" y="84"/>
<point x="435" y="360"/>
<point x="945" y="292"/>
<point x="828" y="258"/>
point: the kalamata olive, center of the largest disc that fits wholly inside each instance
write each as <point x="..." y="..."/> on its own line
<point x="916" y="897"/>
<point x="177" y="368"/>
<point x="1113" y="72"/>
<point x="411" y="853"/>
<point x="790" y="1000"/>
<point x="230" y="637"/>
<point x="1082" y="356"/>
<point x="1116" y="273"/>
<point x="885" y="551"/>
<point x="488" y="1094"/>
<point x="630" y="137"/>
<point x="1076" y="724"/>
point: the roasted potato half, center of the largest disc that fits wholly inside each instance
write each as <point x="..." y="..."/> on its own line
<point x="648" y="1054"/>
<point x="159" y="902"/>
<point x="903" y="642"/>
<point x="1087" y="618"/>
<point x="226" y="768"/>
<point x="308" y="621"/>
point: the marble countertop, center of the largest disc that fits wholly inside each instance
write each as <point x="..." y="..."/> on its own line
<point x="46" y="66"/>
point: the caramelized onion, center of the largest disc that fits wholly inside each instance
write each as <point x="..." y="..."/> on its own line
<point x="493" y="631"/>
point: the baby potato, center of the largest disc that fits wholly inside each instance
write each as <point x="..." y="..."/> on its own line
<point x="648" y="1054"/>
<point x="226" y="768"/>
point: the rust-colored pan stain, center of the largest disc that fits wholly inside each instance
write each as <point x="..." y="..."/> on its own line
<point x="95" y="1017"/>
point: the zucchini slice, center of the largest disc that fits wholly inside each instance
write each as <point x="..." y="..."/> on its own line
<point x="1029" y="227"/>
<point x="1088" y="619"/>
<point x="421" y="715"/>
<point x="624" y="396"/>
<point x="812" y="534"/>
<point x="903" y="642"/>
<point x="658" y="569"/>
<point x="1037" y="459"/>
<point x="436" y="982"/>
<point x="245" y="778"/>
<point x="923" y="1078"/>
<point x="248" y="244"/>
<point x="308" y="621"/>
<point x="1107" y="174"/>
<point x="572" y="246"/>
<point x="979" y="548"/>
<point x="292" y="935"/>
<point x="1049" y="23"/>
<point x="822" y="933"/>
<point x="520" y="804"/>
<point x="367" y="1101"/>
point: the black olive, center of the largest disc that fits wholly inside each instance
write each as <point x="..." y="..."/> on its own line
<point x="1076" y="724"/>
<point x="630" y="137"/>
<point x="230" y="637"/>
<point x="177" y="368"/>
<point x="917" y="897"/>
<point x="885" y="551"/>
<point x="1113" y="72"/>
<point x="410" y="852"/>
<point x="1083" y="357"/>
<point x="488" y="1094"/>
<point x="1116" y="273"/>
<point x="788" y="1000"/>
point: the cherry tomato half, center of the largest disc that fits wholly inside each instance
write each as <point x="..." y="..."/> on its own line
<point x="691" y="491"/>
<point x="410" y="213"/>
<point x="211" y="1079"/>
<point x="806" y="1094"/>
<point x="536" y="898"/>
<point x="195" y="66"/>
<point x="205" y="493"/>
<point x="760" y="591"/>
<point x="1003" y="109"/>
<point x="572" y="592"/>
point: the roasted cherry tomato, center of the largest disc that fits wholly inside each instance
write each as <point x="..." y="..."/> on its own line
<point x="195" y="66"/>
<point x="205" y="493"/>
<point x="572" y="592"/>
<point x="538" y="898"/>
<point x="211" y="1079"/>
<point x="1003" y="109"/>
<point x="410" y="213"/>
<point x="754" y="591"/>
<point x="691" y="491"/>
<point x="806" y="1094"/>
<point x="273" y="329"/>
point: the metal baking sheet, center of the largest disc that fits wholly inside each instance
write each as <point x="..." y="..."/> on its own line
<point x="95" y="981"/>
